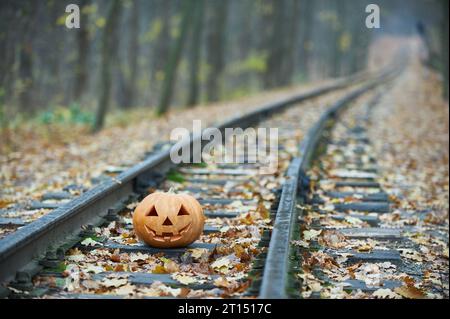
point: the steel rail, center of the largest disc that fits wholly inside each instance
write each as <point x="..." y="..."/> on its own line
<point x="275" y="279"/>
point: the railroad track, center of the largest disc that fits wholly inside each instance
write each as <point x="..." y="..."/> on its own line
<point x="86" y="248"/>
<point x="353" y="241"/>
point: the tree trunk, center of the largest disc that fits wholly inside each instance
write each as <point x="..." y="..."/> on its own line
<point x="133" y="53"/>
<point x="175" y="55"/>
<point x="334" y="62"/>
<point x="274" y="45"/>
<point x="444" y="51"/>
<point x="26" y="57"/>
<point x="26" y="74"/>
<point x="305" y="47"/>
<point x="361" y="47"/>
<point x="81" y="69"/>
<point x="195" y="55"/>
<point x="162" y="47"/>
<point x="216" y="47"/>
<point x="109" y="47"/>
<point x="291" y="43"/>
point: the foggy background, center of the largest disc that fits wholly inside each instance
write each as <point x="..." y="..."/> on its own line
<point x="175" y="53"/>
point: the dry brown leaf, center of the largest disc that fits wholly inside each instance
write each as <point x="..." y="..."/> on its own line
<point x="385" y="294"/>
<point x="222" y="282"/>
<point x="332" y="238"/>
<point x="115" y="258"/>
<point x="4" y="203"/>
<point x="263" y="211"/>
<point x="410" y="292"/>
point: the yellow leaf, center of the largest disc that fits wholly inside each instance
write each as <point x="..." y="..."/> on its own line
<point x="159" y="269"/>
<point x="100" y="22"/>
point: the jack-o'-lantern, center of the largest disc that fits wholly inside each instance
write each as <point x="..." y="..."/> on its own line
<point x="168" y="220"/>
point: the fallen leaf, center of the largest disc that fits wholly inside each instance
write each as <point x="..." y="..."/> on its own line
<point x="353" y="220"/>
<point x="126" y="290"/>
<point x="311" y="234"/>
<point x="411" y="254"/>
<point x="332" y="238"/>
<point x="76" y="258"/>
<point x="169" y="265"/>
<point x="120" y="267"/>
<point x="170" y="291"/>
<point x="114" y="282"/>
<point x="445" y="253"/>
<point x="385" y="294"/>
<point x="131" y="241"/>
<point x="300" y="243"/>
<point x="91" y="284"/>
<point x="159" y="269"/>
<point x="364" y="247"/>
<point x="263" y="211"/>
<point x="138" y="256"/>
<point x="149" y="292"/>
<point x="223" y="264"/>
<point x="185" y="279"/>
<point x="4" y="203"/>
<point x="410" y="292"/>
<point x="197" y="253"/>
<point x="90" y="242"/>
<point x="115" y="258"/>
<point x="222" y="282"/>
<point x="94" y="269"/>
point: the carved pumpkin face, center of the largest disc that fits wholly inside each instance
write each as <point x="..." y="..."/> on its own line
<point x="168" y="220"/>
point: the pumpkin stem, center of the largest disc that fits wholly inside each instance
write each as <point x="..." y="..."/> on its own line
<point x="171" y="191"/>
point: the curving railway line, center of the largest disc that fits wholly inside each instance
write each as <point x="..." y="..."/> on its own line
<point x="85" y="248"/>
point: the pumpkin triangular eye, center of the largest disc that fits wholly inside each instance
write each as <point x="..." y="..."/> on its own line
<point x="152" y="212"/>
<point x="183" y="211"/>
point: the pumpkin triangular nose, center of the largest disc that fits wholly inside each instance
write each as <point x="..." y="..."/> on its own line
<point x="167" y="222"/>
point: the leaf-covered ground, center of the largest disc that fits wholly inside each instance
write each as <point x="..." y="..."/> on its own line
<point x="410" y="130"/>
<point x="408" y="134"/>
<point x="45" y="159"/>
<point x="36" y="159"/>
<point x="95" y="267"/>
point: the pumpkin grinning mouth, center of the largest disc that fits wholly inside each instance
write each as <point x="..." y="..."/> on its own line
<point x="167" y="236"/>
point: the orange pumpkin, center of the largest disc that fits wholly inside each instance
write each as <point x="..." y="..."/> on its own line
<point x="168" y="220"/>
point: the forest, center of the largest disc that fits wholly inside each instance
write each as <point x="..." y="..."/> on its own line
<point x="224" y="149"/>
<point x="162" y="54"/>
